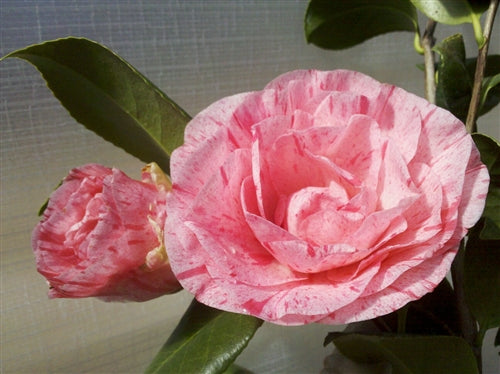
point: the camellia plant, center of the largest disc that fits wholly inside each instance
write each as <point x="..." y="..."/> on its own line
<point x="326" y="197"/>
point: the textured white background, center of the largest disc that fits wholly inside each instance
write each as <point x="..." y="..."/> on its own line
<point x="197" y="52"/>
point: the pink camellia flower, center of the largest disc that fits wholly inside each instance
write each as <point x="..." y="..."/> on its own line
<point x="326" y="197"/>
<point x="102" y="235"/>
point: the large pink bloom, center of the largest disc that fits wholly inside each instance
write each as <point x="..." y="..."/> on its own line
<point x="326" y="197"/>
<point x="102" y="235"/>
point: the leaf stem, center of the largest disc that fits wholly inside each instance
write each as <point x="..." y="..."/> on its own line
<point x="417" y="43"/>
<point x="480" y="66"/>
<point x="478" y="31"/>
<point x="427" y="44"/>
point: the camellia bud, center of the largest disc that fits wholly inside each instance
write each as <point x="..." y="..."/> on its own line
<point x="102" y="235"/>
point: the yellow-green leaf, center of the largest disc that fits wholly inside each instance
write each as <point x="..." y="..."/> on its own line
<point x="454" y="12"/>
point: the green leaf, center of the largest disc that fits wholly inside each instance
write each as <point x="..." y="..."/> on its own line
<point x="235" y="369"/>
<point x="338" y="24"/>
<point x="491" y="230"/>
<point x="479" y="6"/>
<point x="449" y="12"/>
<point x="46" y="203"/>
<point x="109" y="97"/>
<point x="410" y="354"/>
<point x="205" y="341"/>
<point x="482" y="279"/>
<point x="490" y="88"/>
<point x="490" y="94"/>
<point x="492" y="65"/>
<point x="454" y="86"/>
<point x="489" y="149"/>
<point x="454" y="12"/>
<point x="433" y="314"/>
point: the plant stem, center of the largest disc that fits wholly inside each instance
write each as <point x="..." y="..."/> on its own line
<point x="427" y="44"/>
<point x="480" y="66"/>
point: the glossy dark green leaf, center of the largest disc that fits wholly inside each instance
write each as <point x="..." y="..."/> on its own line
<point x="453" y="84"/>
<point x="492" y="65"/>
<point x="490" y="89"/>
<point x="235" y="369"/>
<point x="410" y="354"/>
<point x="110" y="97"/>
<point x="205" y="341"/>
<point x="338" y="24"/>
<point x="490" y="156"/>
<point x="482" y="279"/>
<point x="490" y="94"/>
<point x="479" y="6"/>
<point x="491" y="230"/>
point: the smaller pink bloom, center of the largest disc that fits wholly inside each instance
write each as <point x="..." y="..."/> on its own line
<point x="102" y="235"/>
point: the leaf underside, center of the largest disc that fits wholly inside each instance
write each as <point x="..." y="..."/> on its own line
<point x="452" y="12"/>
